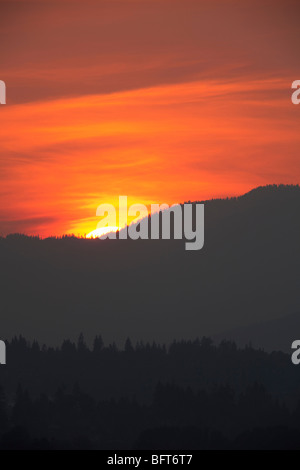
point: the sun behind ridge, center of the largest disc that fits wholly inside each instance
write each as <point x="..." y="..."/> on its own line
<point x="101" y="232"/>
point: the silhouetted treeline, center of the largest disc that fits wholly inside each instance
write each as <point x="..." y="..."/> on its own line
<point x="106" y="371"/>
<point x="190" y="395"/>
<point x="177" y="418"/>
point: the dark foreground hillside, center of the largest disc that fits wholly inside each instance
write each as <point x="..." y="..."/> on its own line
<point x="247" y="273"/>
<point x="191" y="395"/>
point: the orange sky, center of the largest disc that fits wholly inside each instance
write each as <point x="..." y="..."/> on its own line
<point x="160" y="101"/>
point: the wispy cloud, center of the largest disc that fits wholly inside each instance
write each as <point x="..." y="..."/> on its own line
<point x="164" y="101"/>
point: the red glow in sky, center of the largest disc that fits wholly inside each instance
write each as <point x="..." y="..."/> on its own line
<point x="162" y="101"/>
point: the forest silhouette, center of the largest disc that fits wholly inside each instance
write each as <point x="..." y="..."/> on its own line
<point x="190" y="395"/>
<point x="163" y="388"/>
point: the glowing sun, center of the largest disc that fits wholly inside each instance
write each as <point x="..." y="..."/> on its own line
<point x="101" y="232"/>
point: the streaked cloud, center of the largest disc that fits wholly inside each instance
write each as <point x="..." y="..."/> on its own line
<point x="161" y="101"/>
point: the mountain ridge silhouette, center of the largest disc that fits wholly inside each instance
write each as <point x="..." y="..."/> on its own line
<point x="149" y="290"/>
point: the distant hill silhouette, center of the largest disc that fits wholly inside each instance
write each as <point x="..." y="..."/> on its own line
<point x="247" y="273"/>
<point x="272" y="335"/>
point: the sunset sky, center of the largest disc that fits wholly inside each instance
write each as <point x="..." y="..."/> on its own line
<point x="162" y="100"/>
